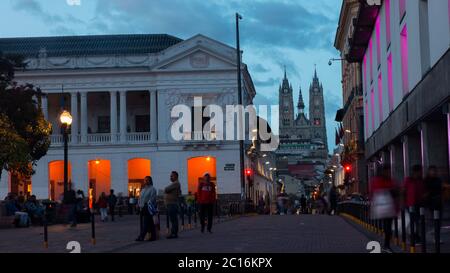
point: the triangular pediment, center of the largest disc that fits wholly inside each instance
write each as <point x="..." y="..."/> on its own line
<point x="197" y="53"/>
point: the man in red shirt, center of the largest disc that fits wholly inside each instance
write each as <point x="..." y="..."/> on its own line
<point x="206" y="198"/>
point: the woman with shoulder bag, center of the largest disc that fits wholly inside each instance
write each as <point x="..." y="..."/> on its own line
<point x="383" y="195"/>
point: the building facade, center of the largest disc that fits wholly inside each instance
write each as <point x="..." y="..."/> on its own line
<point x="303" y="148"/>
<point x="121" y="90"/>
<point x="404" y="51"/>
<point x="351" y="115"/>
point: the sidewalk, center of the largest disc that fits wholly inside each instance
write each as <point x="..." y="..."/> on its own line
<point x="245" y="234"/>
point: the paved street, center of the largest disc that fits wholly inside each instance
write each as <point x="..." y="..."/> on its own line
<point x="260" y="234"/>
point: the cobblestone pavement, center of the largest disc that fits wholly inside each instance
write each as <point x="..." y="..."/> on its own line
<point x="259" y="234"/>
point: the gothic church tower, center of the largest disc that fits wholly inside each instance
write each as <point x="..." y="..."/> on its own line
<point x="317" y="112"/>
<point x="286" y="106"/>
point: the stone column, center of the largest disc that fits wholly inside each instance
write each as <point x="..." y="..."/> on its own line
<point x="434" y="142"/>
<point x="163" y="118"/>
<point x="406" y="166"/>
<point x="113" y="116"/>
<point x="448" y="138"/>
<point x="39" y="181"/>
<point x="153" y="117"/>
<point x="123" y="116"/>
<point x="74" y="110"/>
<point x="84" y="120"/>
<point x="412" y="154"/>
<point x="44" y="101"/>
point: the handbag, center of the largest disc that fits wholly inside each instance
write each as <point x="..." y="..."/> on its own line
<point x="383" y="205"/>
<point x="152" y="208"/>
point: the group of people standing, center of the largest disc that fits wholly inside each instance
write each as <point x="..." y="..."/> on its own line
<point x="415" y="192"/>
<point x="205" y="198"/>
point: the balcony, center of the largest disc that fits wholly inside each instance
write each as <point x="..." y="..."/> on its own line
<point x="103" y="139"/>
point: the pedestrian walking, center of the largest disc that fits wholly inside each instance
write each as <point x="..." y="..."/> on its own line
<point x="172" y="195"/>
<point x="206" y="199"/>
<point x="102" y="204"/>
<point x="120" y="203"/>
<point x="70" y="200"/>
<point x="112" y="202"/>
<point x="333" y="200"/>
<point x="414" y="193"/>
<point x="147" y="205"/>
<point x="304" y="209"/>
<point x="383" y="195"/>
<point x="191" y="204"/>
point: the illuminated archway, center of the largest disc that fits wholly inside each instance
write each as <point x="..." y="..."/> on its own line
<point x="99" y="175"/>
<point x="138" y="169"/>
<point x="197" y="167"/>
<point x="56" y="179"/>
<point x="19" y="184"/>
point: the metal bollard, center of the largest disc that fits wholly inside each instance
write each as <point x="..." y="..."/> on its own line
<point x="423" y="231"/>
<point x="45" y="231"/>
<point x="412" y="220"/>
<point x="167" y="222"/>
<point x="195" y="216"/>
<point x="403" y="224"/>
<point x="182" y="219"/>
<point x="93" y="241"/>
<point x="189" y="217"/>
<point x="437" y="231"/>
<point x="397" y="240"/>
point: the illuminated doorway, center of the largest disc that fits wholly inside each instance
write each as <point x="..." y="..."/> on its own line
<point x="138" y="169"/>
<point x="20" y="184"/>
<point x="56" y="179"/>
<point x="99" y="174"/>
<point x="197" y="167"/>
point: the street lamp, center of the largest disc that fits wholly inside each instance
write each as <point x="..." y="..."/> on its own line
<point x="241" y="142"/>
<point x="66" y="121"/>
<point x="330" y="62"/>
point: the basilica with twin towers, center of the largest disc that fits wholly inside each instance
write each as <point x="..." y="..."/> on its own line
<point x="303" y="149"/>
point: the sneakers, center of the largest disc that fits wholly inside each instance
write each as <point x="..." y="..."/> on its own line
<point x="172" y="236"/>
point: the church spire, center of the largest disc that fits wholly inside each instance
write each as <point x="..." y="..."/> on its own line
<point x="285" y="74"/>
<point x="315" y="72"/>
<point x="301" y="103"/>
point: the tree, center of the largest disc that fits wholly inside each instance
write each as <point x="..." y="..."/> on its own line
<point x="24" y="132"/>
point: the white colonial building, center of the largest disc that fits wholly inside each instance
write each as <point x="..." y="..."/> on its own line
<point x="120" y="90"/>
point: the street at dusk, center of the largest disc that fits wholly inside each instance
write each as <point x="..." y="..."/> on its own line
<point x="263" y="129"/>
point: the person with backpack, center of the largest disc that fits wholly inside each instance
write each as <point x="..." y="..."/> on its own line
<point x="112" y="202"/>
<point x="147" y="205"/>
<point x="206" y="199"/>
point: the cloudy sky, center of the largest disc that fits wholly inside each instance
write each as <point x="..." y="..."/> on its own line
<point x="298" y="34"/>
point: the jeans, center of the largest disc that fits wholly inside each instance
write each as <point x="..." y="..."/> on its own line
<point x="206" y="210"/>
<point x="111" y="211"/>
<point x="147" y="224"/>
<point x="72" y="209"/>
<point x="104" y="214"/>
<point x="172" y="210"/>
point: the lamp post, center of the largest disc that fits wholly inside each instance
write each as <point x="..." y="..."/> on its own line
<point x="66" y="121"/>
<point x="241" y="142"/>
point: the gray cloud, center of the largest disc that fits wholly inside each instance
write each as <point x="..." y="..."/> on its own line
<point x="35" y="8"/>
<point x="267" y="82"/>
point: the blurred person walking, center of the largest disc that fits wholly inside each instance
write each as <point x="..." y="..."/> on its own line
<point x="383" y="195"/>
